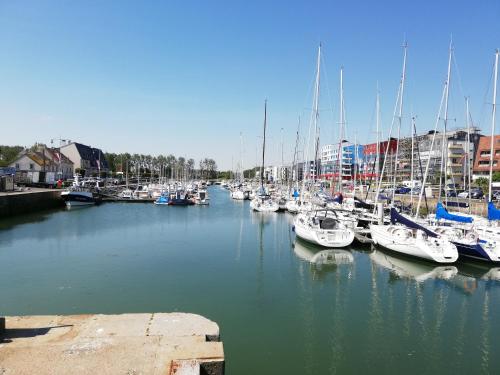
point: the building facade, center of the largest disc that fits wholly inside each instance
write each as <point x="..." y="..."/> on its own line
<point x="89" y="161"/>
<point x="482" y="159"/>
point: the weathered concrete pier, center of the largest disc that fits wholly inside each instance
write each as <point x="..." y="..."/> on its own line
<point x="152" y="343"/>
<point x="33" y="200"/>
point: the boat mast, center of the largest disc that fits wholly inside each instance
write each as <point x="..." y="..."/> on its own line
<point x="377" y="155"/>
<point x="341" y="130"/>
<point x="492" y="142"/>
<point x="444" y="152"/>
<point x="263" y="148"/>
<point x="411" y="159"/>
<point x="316" y="111"/>
<point x="295" y="158"/>
<point x="282" y="161"/>
<point x="468" y="151"/>
<point x="355" y="162"/>
<point x="384" y="163"/>
<point x="400" y="116"/>
<point x="313" y="119"/>
<point x="431" y="149"/>
<point x="242" y="175"/>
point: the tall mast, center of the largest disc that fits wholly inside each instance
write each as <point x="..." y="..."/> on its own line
<point x="282" y="160"/>
<point x="341" y="130"/>
<point x="355" y="162"/>
<point x="492" y="142"/>
<point x="400" y="115"/>
<point x="314" y="117"/>
<point x="411" y="159"/>
<point x="444" y="158"/>
<point x="316" y="110"/>
<point x="468" y="151"/>
<point x="263" y="147"/>
<point x="242" y="176"/>
<point x="377" y="155"/>
<point x="379" y="182"/>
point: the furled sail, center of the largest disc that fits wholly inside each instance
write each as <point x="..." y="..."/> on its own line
<point x="398" y="218"/>
<point x="493" y="212"/>
<point x="442" y="213"/>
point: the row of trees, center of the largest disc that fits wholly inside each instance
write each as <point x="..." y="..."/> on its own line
<point x="8" y="154"/>
<point x="168" y="166"/>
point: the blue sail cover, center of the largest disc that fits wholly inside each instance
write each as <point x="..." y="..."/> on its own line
<point x="397" y="218"/>
<point x="493" y="212"/>
<point x="442" y="213"/>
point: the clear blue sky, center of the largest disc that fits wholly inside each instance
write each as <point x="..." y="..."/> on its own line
<point x="185" y="77"/>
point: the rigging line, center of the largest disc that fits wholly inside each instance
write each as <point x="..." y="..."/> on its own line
<point x="458" y="74"/>
<point x="485" y="103"/>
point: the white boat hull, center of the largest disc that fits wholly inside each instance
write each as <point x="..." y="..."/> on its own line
<point x="399" y="239"/>
<point x="342" y="237"/>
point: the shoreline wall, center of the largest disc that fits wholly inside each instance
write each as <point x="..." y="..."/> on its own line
<point x="28" y="202"/>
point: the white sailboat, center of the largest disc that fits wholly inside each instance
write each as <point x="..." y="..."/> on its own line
<point x="263" y="202"/>
<point x="323" y="228"/>
<point x="403" y="235"/>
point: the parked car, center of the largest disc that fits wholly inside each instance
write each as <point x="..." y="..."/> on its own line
<point x="451" y="193"/>
<point x="495" y="195"/>
<point x="415" y="190"/>
<point x="476" y="193"/>
<point x="402" y="190"/>
<point x="463" y="194"/>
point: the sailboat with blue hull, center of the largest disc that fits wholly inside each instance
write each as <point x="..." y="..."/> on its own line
<point x="466" y="239"/>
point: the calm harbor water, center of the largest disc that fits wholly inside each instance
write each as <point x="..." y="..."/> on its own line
<point x="283" y="306"/>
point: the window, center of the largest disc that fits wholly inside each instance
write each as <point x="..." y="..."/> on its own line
<point x="17" y="165"/>
<point x="497" y="152"/>
<point x="484" y="162"/>
<point x="485" y="153"/>
<point x="32" y="166"/>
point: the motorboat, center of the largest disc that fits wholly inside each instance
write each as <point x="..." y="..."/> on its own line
<point x="78" y="195"/>
<point x="162" y="200"/>
<point x="201" y="197"/>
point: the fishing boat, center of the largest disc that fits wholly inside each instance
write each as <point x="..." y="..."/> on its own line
<point x="322" y="228"/>
<point x="179" y="198"/>
<point x="78" y="195"/>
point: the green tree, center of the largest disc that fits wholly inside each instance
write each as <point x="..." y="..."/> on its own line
<point x="8" y="154"/>
<point x="483" y="183"/>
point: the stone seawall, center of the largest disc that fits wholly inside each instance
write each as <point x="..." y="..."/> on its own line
<point x="151" y="343"/>
<point x="16" y="203"/>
